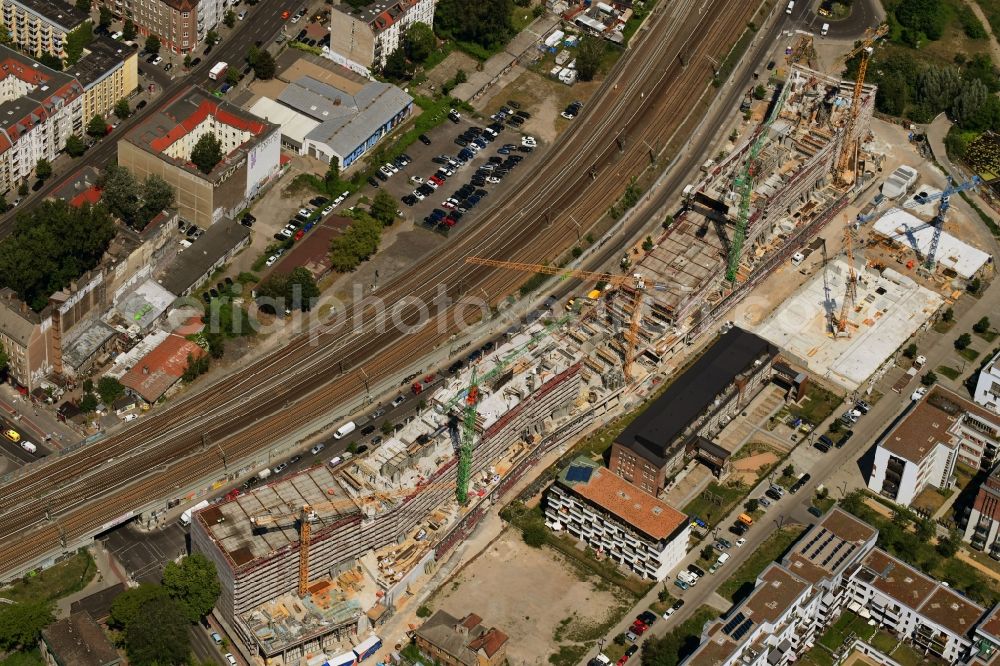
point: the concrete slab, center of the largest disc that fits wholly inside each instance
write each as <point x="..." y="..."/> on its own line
<point x="889" y="308"/>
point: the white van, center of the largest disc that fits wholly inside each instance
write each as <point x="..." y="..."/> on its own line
<point x="825" y="29"/>
<point x="345" y="430"/>
<point x="28" y="446"/>
<point x="130" y="417"/>
<point x="790" y="7"/>
<point x="722" y="559"/>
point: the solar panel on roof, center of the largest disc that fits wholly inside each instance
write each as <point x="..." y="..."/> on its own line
<point x="742" y="630"/>
<point x="735" y="620"/>
<point x="579" y="473"/>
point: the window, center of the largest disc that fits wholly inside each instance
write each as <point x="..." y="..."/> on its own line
<point x="186" y="14"/>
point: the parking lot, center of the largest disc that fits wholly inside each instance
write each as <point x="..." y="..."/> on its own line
<point x="415" y="174"/>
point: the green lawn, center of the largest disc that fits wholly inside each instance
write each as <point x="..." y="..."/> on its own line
<point x="989" y="336"/>
<point x="969" y="354"/>
<point x="521" y="17"/>
<point x="817" y="404"/>
<point x="769" y="551"/>
<point x="67" y="577"/>
<point x="824" y="504"/>
<point x="33" y="658"/>
<point x="949" y="372"/>
<point x="715" y="502"/>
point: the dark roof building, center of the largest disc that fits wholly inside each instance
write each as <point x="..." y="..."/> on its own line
<point x="195" y="264"/>
<point x="464" y="642"/>
<point x="77" y="641"/>
<point x="723" y="380"/>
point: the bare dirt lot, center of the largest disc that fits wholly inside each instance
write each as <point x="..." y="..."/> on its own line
<point x="535" y="595"/>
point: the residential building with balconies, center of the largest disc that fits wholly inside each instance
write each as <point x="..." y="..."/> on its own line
<point x="180" y="25"/>
<point x="617" y="519"/>
<point x="363" y="38"/>
<point x="38" y="27"/>
<point x="988" y="386"/>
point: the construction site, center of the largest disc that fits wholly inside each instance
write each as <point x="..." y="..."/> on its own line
<point x="312" y="564"/>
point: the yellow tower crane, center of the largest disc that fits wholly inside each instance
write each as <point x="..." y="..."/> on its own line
<point x="847" y="147"/>
<point x="634" y="282"/>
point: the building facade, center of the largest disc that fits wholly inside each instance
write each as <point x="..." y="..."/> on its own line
<point x="700" y="402"/>
<point x="162" y="145"/>
<point x="38" y="27"/>
<point x="108" y="71"/>
<point x="451" y="641"/>
<point x="179" y="24"/>
<point x="366" y="37"/>
<point x="982" y="531"/>
<point x="617" y="519"/>
<point x="988" y="386"/>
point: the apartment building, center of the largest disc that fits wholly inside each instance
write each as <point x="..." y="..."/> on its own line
<point x="41" y="26"/>
<point x="923" y="448"/>
<point x="833" y="568"/>
<point x="988" y="386"/>
<point x="697" y="404"/>
<point x="39" y="109"/>
<point x="108" y="71"/>
<point x="180" y="24"/>
<point x="617" y="519"/>
<point x="163" y="142"/>
<point x="982" y="530"/>
<point x="25" y="340"/>
<point x="363" y="38"/>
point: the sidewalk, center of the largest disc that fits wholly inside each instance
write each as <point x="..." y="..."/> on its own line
<point x="108" y="575"/>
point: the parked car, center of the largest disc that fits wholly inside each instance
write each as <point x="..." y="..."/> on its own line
<point x="424" y="139"/>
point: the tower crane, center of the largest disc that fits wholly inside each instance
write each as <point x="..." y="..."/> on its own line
<point x="847" y="147"/>
<point x="938" y="221"/>
<point x="634" y="282"/>
<point x="851" y="288"/>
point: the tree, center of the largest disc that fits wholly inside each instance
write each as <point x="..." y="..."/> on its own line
<point x="159" y="635"/>
<point x="207" y="152"/>
<point x="982" y="326"/>
<point x="386" y="428"/>
<point x="947" y="546"/>
<point x="22" y="189"/>
<point x="357" y="244"/>
<point x="262" y="63"/>
<point x="120" y="193"/>
<point x="948" y="316"/>
<point x="77" y="40"/>
<point x="232" y="76"/>
<point x="211" y="38"/>
<point x="383" y="207"/>
<point x="193" y="584"/>
<point x="75" y="146"/>
<point x="295" y="290"/>
<point x="97" y="127"/>
<point x="751" y="505"/>
<point x="929" y="378"/>
<point x="110" y="389"/>
<point x="106" y="17"/>
<point x="88" y="403"/>
<point x="910" y="351"/>
<point x="43" y="169"/>
<point x="922" y="16"/>
<point x="125" y="607"/>
<point x="83" y="6"/>
<point x="707" y="553"/>
<point x="395" y="65"/>
<point x="963" y="341"/>
<point x="534" y="534"/>
<point x="157" y="196"/>
<point x="129" y="31"/>
<point x="187" y="61"/>
<point x="229" y="18"/>
<point x="648" y="244"/>
<point x="419" y="42"/>
<point x="21" y="624"/>
<point x="486" y="23"/>
<point x="759" y="92"/>
<point x="667" y="221"/>
<point x="122" y="109"/>
<point x="588" y="57"/>
<point x="424" y="611"/>
<point x="331" y="180"/>
<point x="152" y="44"/>
<point x="974" y="285"/>
<point x="789" y="470"/>
<point x="51" y="61"/>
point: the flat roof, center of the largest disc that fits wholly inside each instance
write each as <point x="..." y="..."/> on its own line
<point x="144" y="304"/>
<point x="635" y="507"/>
<point x="952" y="253"/>
<point x="99" y="58"/>
<point x="829" y="547"/>
<point x="951" y="610"/>
<point x="896" y="579"/>
<point x="294" y="125"/>
<point x="58" y="13"/>
<point x="85" y="340"/>
<point x="653" y="431"/>
<point x="922" y="430"/>
<point x="190" y="265"/>
<point x="230" y="526"/>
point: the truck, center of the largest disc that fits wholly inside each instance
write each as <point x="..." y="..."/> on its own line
<point x="186" y="516"/>
<point x="368" y="648"/>
<point x="218" y="71"/>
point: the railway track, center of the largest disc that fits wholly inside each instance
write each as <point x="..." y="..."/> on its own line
<point x="241" y="414"/>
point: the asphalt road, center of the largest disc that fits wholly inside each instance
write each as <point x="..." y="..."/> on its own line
<point x="864" y="14"/>
<point x="262" y="25"/>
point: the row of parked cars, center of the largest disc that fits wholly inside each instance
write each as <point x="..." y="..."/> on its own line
<point x="305" y="219"/>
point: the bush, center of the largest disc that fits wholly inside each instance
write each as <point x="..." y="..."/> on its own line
<point x="534" y="534"/>
<point x="929" y="378"/>
<point x="911" y="350"/>
<point x="982" y="326"/>
<point x="963" y="341"/>
<point x="424" y="611"/>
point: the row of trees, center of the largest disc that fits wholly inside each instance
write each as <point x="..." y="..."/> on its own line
<point x="296" y="290"/>
<point x="154" y="619"/>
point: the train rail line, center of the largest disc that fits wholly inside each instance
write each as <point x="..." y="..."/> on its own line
<point x="243" y="413"/>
